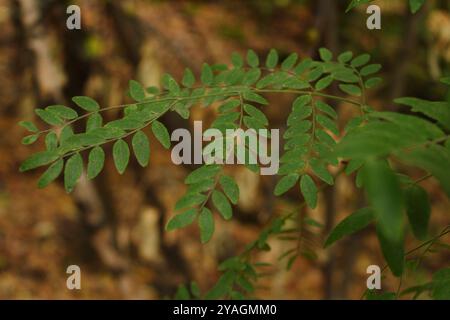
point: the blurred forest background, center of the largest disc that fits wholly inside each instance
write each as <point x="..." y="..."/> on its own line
<point x="113" y="227"/>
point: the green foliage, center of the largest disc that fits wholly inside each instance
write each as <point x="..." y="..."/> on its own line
<point x="418" y="210"/>
<point x="354" y="222"/>
<point x="378" y="147"/>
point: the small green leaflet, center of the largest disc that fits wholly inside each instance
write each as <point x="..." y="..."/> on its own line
<point x="206" y="225"/>
<point x="51" y="141"/>
<point x="161" y="133"/>
<point x="96" y="161"/>
<point x="190" y="200"/>
<point x="39" y="159"/>
<point x="137" y="91"/>
<point x="51" y="173"/>
<point x="29" y="126"/>
<point x="351" y="224"/>
<point x="289" y="62"/>
<point x="202" y="173"/>
<point x="256" y="113"/>
<point x="30" y="139"/>
<point x="86" y="103"/>
<point x="393" y="252"/>
<point x="93" y="122"/>
<point x="321" y="171"/>
<point x="207" y="75"/>
<point x="418" y="210"/>
<point x="221" y="203"/>
<point x="373" y="82"/>
<point x="254" y="97"/>
<point x="230" y="188"/>
<point x="370" y="69"/>
<point x="121" y="155"/>
<point x="324" y="83"/>
<point x="141" y="148"/>
<point x="188" y="78"/>
<point x="49" y="117"/>
<point x="272" y="59"/>
<point x="170" y="84"/>
<point x="309" y="190"/>
<point x="286" y="183"/>
<point x="325" y="54"/>
<point x="351" y="89"/>
<point x="360" y="60"/>
<point x="182" y="220"/>
<point x="63" y="112"/>
<point x="384" y="193"/>
<point x="237" y="60"/>
<point x="252" y="59"/>
<point x="345" y="57"/>
<point x="73" y="171"/>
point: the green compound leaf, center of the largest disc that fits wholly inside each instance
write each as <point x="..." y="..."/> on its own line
<point x="121" y="155"/>
<point x="141" y="148"/>
<point x="73" y="171"/>
<point x="96" y="161"/>
<point x="161" y="133"/>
